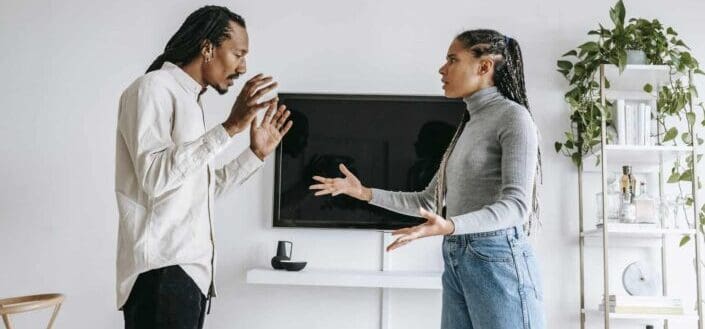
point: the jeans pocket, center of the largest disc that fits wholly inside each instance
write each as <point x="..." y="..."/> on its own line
<point x="490" y="249"/>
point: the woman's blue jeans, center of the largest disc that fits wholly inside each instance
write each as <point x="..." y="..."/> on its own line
<point x="491" y="281"/>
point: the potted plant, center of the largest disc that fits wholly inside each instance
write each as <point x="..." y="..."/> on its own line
<point x="660" y="46"/>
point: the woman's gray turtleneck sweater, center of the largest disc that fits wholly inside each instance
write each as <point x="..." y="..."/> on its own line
<point x="490" y="172"/>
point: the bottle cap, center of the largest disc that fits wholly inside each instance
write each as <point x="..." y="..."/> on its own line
<point x="626" y="169"/>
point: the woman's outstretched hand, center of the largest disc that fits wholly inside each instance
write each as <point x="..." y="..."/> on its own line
<point x="348" y="185"/>
<point x="434" y="225"/>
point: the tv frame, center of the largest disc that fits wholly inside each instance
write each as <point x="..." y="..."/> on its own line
<point x="277" y="222"/>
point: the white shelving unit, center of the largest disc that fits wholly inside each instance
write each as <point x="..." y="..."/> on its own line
<point x="359" y="279"/>
<point x="629" y="85"/>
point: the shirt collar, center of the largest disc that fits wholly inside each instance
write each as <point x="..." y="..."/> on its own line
<point x="480" y="98"/>
<point x="184" y="80"/>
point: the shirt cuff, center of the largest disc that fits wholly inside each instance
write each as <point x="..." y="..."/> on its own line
<point x="249" y="161"/>
<point x="372" y="197"/>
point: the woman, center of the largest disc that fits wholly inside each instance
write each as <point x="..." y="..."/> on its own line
<point x="483" y="193"/>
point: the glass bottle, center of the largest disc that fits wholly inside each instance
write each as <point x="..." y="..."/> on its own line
<point x="627" y="210"/>
<point x="645" y="206"/>
<point x="627" y="181"/>
<point x="613" y="200"/>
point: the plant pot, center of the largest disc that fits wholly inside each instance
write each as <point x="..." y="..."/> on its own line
<point x="635" y="56"/>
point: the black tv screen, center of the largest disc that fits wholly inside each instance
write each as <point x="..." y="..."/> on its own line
<point x="389" y="142"/>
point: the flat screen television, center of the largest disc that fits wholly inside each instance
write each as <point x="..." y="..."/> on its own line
<point x="391" y="142"/>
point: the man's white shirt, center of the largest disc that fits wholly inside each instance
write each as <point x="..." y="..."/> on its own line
<point x="165" y="184"/>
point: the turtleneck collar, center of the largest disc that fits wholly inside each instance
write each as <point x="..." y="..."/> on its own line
<point x="480" y="98"/>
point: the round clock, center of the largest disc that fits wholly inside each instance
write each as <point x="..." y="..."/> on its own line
<point x="640" y="279"/>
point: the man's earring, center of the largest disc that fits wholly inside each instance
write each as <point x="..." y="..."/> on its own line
<point x="209" y="54"/>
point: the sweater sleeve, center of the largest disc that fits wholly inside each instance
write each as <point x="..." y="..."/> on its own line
<point x="407" y="203"/>
<point x="519" y="147"/>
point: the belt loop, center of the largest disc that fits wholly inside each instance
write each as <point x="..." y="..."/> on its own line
<point x="514" y="233"/>
<point x="511" y="237"/>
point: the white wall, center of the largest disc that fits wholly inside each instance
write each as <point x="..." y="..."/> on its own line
<point x="65" y="63"/>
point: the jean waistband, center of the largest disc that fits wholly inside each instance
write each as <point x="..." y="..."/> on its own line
<point x="516" y="231"/>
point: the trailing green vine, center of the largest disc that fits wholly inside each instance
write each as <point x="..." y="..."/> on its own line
<point x="661" y="46"/>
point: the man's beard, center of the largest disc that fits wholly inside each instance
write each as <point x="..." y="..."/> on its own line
<point x="223" y="91"/>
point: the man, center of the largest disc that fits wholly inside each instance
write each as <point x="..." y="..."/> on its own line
<point x="164" y="181"/>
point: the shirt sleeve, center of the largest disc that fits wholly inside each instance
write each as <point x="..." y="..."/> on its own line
<point x="519" y="142"/>
<point x="145" y="123"/>
<point x="407" y="203"/>
<point x="236" y="172"/>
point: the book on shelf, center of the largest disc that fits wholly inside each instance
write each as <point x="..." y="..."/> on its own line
<point x="644" y="304"/>
<point x="644" y="124"/>
<point x="632" y="121"/>
<point x="628" y="300"/>
<point x="644" y="310"/>
<point x="630" y="226"/>
<point x="629" y="119"/>
<point x="620" y="123"/>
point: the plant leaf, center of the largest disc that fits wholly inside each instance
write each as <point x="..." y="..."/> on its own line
<point x="685" y="137"/>
<point x="590" y="46"/>
<point x="621" y="11"/>
<point x="674" y="178"/>
<point x="648" y="88"/>
<point x="577" y="159"/>
<point x="690" y="116"/>
<point x="570" y="53"/>
<point x="565" y="65"/>
<point x="617" y="14"/>
<point x="622" y="60"/>
<point x="670" y="134"/>
<point x="684" y="240"/>
<point x="687" y="176"/>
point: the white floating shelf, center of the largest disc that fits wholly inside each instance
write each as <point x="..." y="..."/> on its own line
<point x="647" y="148"/>
<point x="640" y="157"/>
<point x="634" y="77"/>
<point x="632" y="95"/>
<point x="349" y="278"/>
<point x="620" y="231"/>
<point x="657" y="317"/>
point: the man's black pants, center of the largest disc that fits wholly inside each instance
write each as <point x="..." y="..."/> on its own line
<point x="165" y="298"/>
